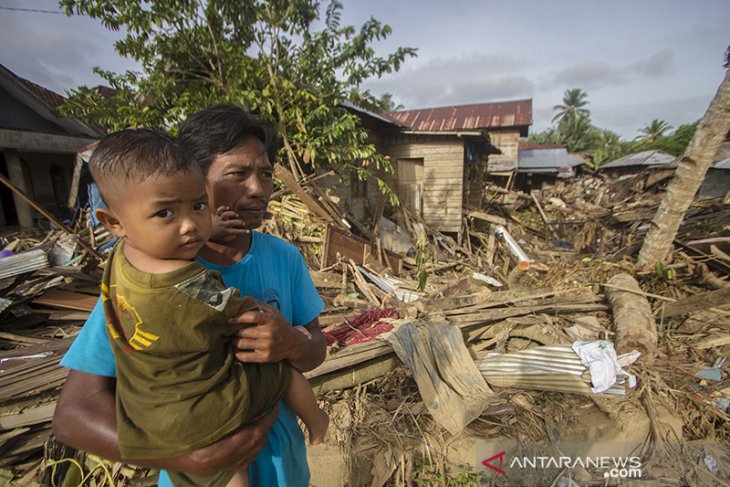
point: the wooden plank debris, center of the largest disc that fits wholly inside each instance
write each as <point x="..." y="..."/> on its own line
<point x="68" y="300"/>
<point x="697" y="302"/>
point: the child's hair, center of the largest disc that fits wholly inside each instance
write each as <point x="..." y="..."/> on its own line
<point x="221" y="128"/>
<point x="135" y="155"/>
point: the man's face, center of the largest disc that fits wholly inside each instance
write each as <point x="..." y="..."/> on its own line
<point x="166" y="217"/>
<point x="242" y="179"/>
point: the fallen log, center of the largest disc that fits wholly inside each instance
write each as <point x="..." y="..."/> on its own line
<point x="635" y="325"/>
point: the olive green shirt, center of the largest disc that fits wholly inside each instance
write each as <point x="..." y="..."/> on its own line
<point x="179" y="386"/>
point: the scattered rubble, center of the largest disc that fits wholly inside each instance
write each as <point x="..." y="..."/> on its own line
<point x="530" y="275"/>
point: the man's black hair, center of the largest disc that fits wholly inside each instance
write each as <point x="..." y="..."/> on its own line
<point x="221" y="128"/>
<point x="136" y="154"/>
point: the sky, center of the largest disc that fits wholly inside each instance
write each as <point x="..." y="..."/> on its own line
<point x="637" y="60"/>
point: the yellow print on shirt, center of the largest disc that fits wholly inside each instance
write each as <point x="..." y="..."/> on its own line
<point x="141" y="339"/>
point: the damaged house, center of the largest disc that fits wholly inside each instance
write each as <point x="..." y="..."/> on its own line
<point x="717" y="180"/>
<point x="436" y="172"/>
<point x="38" y="148"/>
<point x="504" y="123"/>
<point x="540" y="165"/>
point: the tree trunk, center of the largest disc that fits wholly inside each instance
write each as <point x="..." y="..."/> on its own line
<point x="700" y="154"/>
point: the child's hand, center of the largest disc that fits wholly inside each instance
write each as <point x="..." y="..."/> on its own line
<point x="227" y="225"/>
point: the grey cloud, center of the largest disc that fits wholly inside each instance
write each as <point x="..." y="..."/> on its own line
<point x="474" y="77"/>
<point x="586" y="75"/>
<point x="656" y="65"/>
<point x="55" y="51"/>
<point x="597" y="74"/>
<point x="490" y="89"/>
<point x="627" y="119"/>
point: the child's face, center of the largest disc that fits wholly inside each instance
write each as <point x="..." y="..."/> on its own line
<point x="166" y="217"/>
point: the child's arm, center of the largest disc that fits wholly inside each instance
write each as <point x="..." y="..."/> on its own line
<point x="85" y="418"/>
<point x="274" y="339"/>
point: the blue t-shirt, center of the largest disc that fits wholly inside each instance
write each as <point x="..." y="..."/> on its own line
<point x="272" y="272"/>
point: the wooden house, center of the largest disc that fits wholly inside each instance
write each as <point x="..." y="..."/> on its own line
<point x="542" y="165"/>
<point x="504" y="123"/>
<point x="37" y="149"/>
<point x="717" y="180"/>
<point x="436" y="173"/>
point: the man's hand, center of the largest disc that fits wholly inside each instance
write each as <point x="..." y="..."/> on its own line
<point x="226" y="225"/>
<point x="266" y="336"/>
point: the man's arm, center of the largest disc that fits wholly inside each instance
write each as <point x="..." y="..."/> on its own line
<point x="85" y="419"/>
<point x="266" y="336"/>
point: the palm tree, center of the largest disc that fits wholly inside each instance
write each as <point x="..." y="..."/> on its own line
<point x="573" y="102"/>
<point x="548" y="136"/>
<point x="577" y="132"/>
<point x="654" y="130"/>
<point x="710" y="134"/>
<point x="607" y="147"/>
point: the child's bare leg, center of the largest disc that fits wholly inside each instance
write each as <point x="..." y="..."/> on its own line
<point x="240" y="479"/>
<point x="300" y="398"/>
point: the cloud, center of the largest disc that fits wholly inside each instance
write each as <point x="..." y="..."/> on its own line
<point x="656" y="65"/>
<point x="626" y="119"/>
<point x="471" y="78"/>
<point x="587" y="75"/>
<point x="599" y="74"/>
<point x="488" y="89"/>
<point x="56" y="51"/>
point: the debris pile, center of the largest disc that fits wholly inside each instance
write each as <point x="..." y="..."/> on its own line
<point x="529" y="275"/>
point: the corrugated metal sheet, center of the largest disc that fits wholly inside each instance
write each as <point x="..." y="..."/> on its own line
<point x="724" y="164"/>
<point x="499" y="164"/>
<point x="547" y="158"/>
<point x="646" y="158"/>
<point x="477" y="116"/>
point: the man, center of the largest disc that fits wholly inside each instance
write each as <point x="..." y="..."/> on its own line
<point x="235" y="152"/>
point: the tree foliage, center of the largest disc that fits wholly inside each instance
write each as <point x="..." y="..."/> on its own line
<point x="577" y="133"/>
<point x="675" y="143"/>
<point x="656" y="129"/>
<point x="572" y="107"/>
<point x="269" y="56"/>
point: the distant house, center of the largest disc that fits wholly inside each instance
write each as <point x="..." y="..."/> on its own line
<point x="436" y="173"/>
<point x="38" y="148"/>
<point x="504" y="122"/>
<point x="639" y="161"/>
<point x="540" y="164"/>
<point x="717" y="180"/>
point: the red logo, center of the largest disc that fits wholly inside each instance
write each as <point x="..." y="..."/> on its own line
<point x="488" y="462"/>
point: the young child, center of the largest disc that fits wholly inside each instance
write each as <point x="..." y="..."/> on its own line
<point x="179" y="387"/>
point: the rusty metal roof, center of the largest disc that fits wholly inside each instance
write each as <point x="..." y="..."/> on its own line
<point x="516" y="113"/>
<point x="649" y="158"/>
